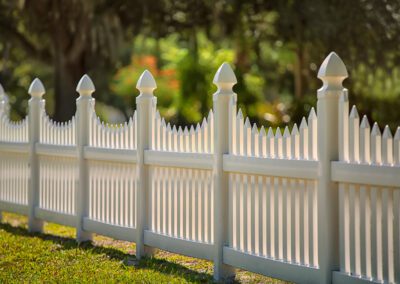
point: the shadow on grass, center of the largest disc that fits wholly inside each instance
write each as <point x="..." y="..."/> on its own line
<point x="152" y="263"/>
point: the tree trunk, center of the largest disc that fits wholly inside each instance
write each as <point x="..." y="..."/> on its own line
<point x="66" y="78"/>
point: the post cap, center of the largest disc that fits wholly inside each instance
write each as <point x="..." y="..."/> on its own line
<point x="85" y="86"/>
<point x="146" y="82"/>
<point x="332" y="66"/>
<point x="332" y="72"/>
<point x="36" y="89"/>
<point x="225" y="78"/>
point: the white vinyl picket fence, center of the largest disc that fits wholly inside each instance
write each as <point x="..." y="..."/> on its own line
<point x="318" y="203"/>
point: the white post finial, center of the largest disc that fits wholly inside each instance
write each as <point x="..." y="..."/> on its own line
<point x="146" y="83"/>
<point x="332" y="73"/>
<point x="225" y="79"/>
<point x="85" y="86"/>
<point x="36" y="89"/>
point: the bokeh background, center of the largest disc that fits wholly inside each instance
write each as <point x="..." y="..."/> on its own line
<point x="275" y="48"/>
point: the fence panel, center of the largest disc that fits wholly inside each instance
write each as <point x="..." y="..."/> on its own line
<point x="269" y="201"/>
<point x="181" y="203"/>
<point x="112" y="194"/>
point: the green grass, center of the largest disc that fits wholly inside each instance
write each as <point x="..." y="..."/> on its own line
<point x="54" y="256"/>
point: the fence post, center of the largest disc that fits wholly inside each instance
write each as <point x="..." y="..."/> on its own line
<point x="224" y="79"/>
<point x="3" y="102"/>
<point x="145" y="107"/>
<point x="3" y="106"/>
<point x="36" y="103"/>
<point x="332" y="72"/>
<point x="84" y="106"/>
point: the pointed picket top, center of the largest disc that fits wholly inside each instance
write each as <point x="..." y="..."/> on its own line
<point x="174" y="130"/>
<point x="169" y="126"/>
<point x="186" y="131"/>
<point x="247" y="123"/>
<point x="240" y="114"/>
<point x="303" y="124"/>
<point x="191" y="129"/>
<point x="286" y="132"/>
<point x="262" y="131"/>
<point x="375" y="130"/>
<point x="397" y="134"/>
<point x="332" y="72"/>
<point x="198" y="127"/>
<point x="36" y="89"/>
<point x="254" y="130"/>
<point x="163" y="123"/>
<point x="85" y="86"/>
<point x="180" y="131"/>
<point x="364" y="122"/>
<point x="295" y="129"/>
<point x="204" y="123"/>
<point x="270" y="133"/>
<point x="224" y="79"/>
<point x="146" y="83"/>
<point x="312" y="115"/>
<point x="354" y="112"/>
<point x="387" y="134"/>
<point x="278" y="133"/>
<point x="210" y="117"/>
<point x="158" y="116"/>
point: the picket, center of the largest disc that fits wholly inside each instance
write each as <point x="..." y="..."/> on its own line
<point x="225" y="189"/>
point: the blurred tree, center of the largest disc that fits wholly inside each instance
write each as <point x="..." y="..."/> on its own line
<point x="72" y="36"/>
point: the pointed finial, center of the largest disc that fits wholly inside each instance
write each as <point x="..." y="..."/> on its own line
<point x="85" y="86"/>
<point x="36" y="89"/>
<point x="224" y="79"/>
<point x="364" y="122"/>
<point x="332" y="72"/>
<point x="146" y="83"/>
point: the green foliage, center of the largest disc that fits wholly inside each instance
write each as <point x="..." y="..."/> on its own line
<point x="275" y="48"/>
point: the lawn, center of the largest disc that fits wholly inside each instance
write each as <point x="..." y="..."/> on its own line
<point x="54" y="256"/>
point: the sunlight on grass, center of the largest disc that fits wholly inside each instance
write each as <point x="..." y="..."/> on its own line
<point x="55" y="256"/>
